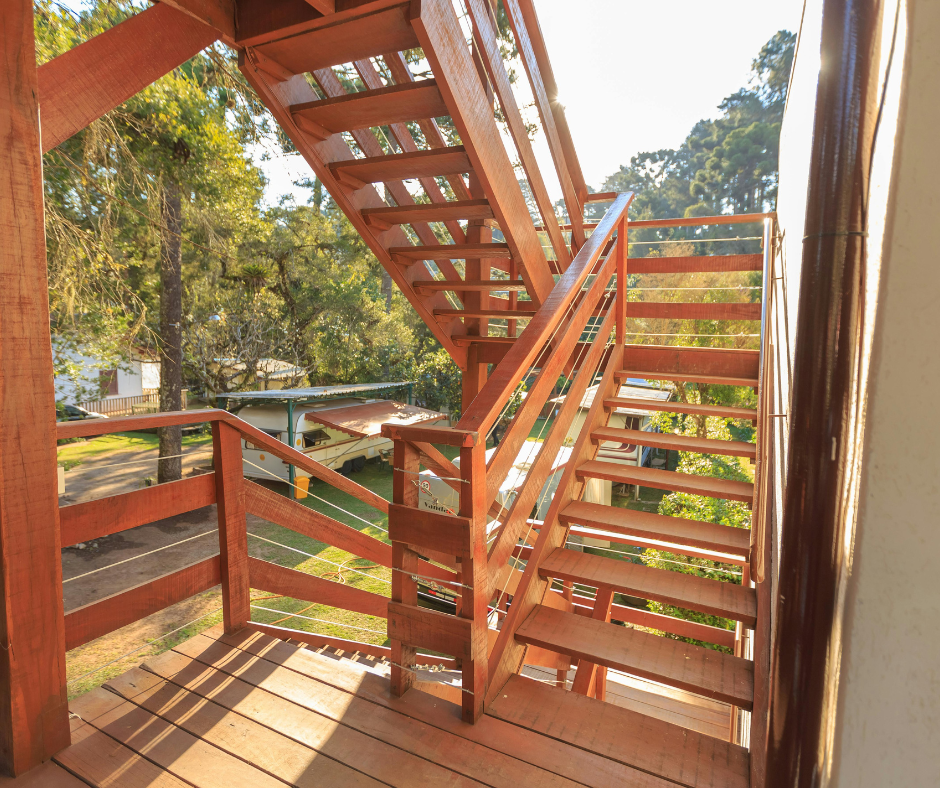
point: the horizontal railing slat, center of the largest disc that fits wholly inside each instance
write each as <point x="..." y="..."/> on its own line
<point x="83" y="522"/>
<point x="292" y="583"/>
<point x="95" y="619"/>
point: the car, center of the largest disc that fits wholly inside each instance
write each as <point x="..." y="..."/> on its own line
<point x="75" y="413"/>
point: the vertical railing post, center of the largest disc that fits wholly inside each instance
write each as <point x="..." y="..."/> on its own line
<point x="404" y="559"/>
<point x="34" y="717"/>
<point x="473" y="572"/>
<point x="621" y="252"/>
<point x="233" y="526"/>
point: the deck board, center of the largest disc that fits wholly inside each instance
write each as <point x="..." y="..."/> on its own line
<point x="220" y="711"/>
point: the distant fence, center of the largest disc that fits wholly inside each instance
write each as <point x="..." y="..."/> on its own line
<point x="128" y="406"/>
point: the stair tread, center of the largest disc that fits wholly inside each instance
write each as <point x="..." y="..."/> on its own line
<point x="431" y="212"/>
<point x="676" y="530"/>
<point x="693" y="668"/>
<point x="521" y="314"/>
<point x="685" y="757"/>
<point x="473" y="284"/>
<point x="452" y="251"/>
<point x="717" y="598"/>
<point x="667" y="440"/>
<point x="379" y="107"/>
<point x="668" y="480"/>
<point x="407" y="166"/>
<point x="693" y="408"/>
<point x="688" y="377"/>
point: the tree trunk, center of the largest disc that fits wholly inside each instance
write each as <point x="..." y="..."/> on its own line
<point x="387" y="290"/>
<point x="171" y="334"/>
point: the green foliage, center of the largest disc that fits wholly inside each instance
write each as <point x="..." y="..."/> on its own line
<point x="437" y="382"/>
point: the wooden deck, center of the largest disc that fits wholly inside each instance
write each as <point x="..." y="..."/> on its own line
<point x="221" y="712"/>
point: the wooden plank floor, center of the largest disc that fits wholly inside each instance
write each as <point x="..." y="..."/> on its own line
<point x="248" y="709"/>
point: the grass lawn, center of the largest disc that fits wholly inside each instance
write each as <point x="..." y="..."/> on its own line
<point x="72" y="454"/>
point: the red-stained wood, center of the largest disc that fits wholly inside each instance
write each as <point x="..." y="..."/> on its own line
<point x="430" y="212"/>
<point x="682" y="756"/>
<point x="422" y="528"/>
<point x="526" y="498"/>
<point x="405" y="166"/>
<point x="321" y="42"/>
<point x="369" y="144"/>
<point x="486" y="408"/>
<point x="48" y="775"/>
<point x="442" y="39"/>
<point x="678" y="530"/>
<point x="703" y="311"/>
<point x="621" y="303"/>
<point x="347" y="646"/>
<point x="405" y="468"/>
<point x="84" y="83"/>
<point x="645" y="543"/>
<point x="668" y="480"/>
<point x="93" y="620"/>
<point x="219" y="14"/>
<point x="469" y="284"/>
<point x="233" y="525"/>
<point x="583" y="605"/>
<point x="435" y="631"/>
<point x="688" y="377"/>
<point x="717" y="598"/>
<point x="548" y="111"/>
<point x="485" y="35"/>
<point x="586" y="675"/>
<point x="718" y="263"/>
<point x="324" y="6"/>
<point x="33" y="710"/>
<point x="666" y="440"/>
<point x="301" y="519"/>
<point x="90" y="428"/>
<point x="693" y="360"/>
<point x="449" y="314"/>
<point x="508" y="654"/>
<point x="83" y="522"/>
<point x="449" y="251"/>
<point x="292" y="583"/>
<point x="367" y="108"/>
<point x="278" y="96"/>
<point x="446" y="436"/>
<point x="704" y="221"/>
<point x="704" y="671"/>
<point x="96" y="758"/>
<point x="695" y="409"/>
<point x="564" y="344"/>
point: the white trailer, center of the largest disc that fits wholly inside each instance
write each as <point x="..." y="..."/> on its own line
<point x="341" y="432"/>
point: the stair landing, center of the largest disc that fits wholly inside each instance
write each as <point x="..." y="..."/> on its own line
<point x="218" y="711"/>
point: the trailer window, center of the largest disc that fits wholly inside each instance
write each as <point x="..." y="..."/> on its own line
<point x="314" y="438"/>
<point x="276" y="434"/>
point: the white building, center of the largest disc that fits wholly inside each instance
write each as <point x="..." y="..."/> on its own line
<point x="102" y="379"/>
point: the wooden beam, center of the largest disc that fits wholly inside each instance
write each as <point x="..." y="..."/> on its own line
<point x="82" y="522"/>
<point x="84" y="83"/>
<point x="91" y="621"/>
<point x="233" y="525"/>
<point x="442" y="39"/>
<point x="33" y="700"/>
<point x="324" y="6"/>
<point x="292" y="583"/>
<point x="538" y="69"/>
<point x="219" y="14"/>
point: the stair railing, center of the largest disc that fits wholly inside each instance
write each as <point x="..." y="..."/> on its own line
<point x="477" y="533"/>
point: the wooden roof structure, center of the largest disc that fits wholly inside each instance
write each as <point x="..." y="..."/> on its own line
<point x="251" y="702"/>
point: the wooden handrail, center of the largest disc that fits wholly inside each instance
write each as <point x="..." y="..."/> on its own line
<point x="485" y="408"/>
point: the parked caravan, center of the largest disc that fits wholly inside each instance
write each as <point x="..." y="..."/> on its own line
<point x="325" y="423"/>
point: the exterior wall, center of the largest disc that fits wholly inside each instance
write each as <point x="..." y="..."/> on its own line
<point x="888" y="729"/>
<point x="130" y="377"/>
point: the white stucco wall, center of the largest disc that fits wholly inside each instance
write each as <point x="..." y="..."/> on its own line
<point x="130" y="378"/>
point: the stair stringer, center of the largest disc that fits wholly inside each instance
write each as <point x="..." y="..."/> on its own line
<point x="508" y="655"/>
<point x="278" y="95"/>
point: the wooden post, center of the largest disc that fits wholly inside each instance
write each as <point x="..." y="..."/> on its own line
<point x="233" y="526"/>
<point x="34" y="719"/>
<point x="473" y="571"/>
<point x="621" y="252"/>
<point x="404" y="589"/>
